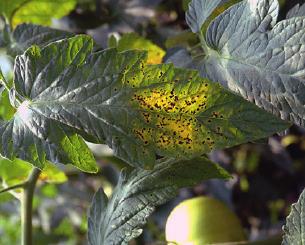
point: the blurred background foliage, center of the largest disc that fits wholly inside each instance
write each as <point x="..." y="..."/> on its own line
<point x="268" y="175"/>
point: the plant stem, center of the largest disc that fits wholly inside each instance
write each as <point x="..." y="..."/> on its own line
<point x="26" y="206"/>
<point x="17" y="186"/>
<point x="3" y="81"/>
<point x="204" y="45"/>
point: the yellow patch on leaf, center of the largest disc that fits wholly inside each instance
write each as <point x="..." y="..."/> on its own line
<point x="170" y="113"/>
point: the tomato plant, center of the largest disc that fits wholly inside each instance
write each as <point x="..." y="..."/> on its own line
<point x="161" y="121"/>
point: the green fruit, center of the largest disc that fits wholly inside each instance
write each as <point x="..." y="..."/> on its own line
<point x="203" y="220"/>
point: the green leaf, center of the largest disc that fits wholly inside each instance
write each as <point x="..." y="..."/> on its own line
<point x="51" y="174"/>
<point x="179" y="57"/>
<point x="7" y="8"/>
<point x="297" y="11"/>
<point x="17" y="171"/>
<point x="130" y="41"/>
<point x="185" y="4"/>
<point x="7" y="111"/>
<point x="65" y="90"/>
<point x="35" y="11"/>
<point x="49" y="191"/>
<point x="13" y="172"/>
<point x="262" y="61"/>
<point x="217" y="11"/>
<point x="199" y="11"/>
<point x="112" y="42"/>
<point x="10" y="226"/>
<point x="119" y="219"/>
<point x="3" y="80"/>
<point x="26" y="35"/>
<point x="184" y="39"/>
<point x="32" y="136"/>
<point x="294" y="229"/>
<point x="6" y="197"/>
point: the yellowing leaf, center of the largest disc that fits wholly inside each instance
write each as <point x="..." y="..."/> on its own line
<point x="115" y="98"/>
<point x="181" y="114"/>
<point x="52" y="174"/>
<point x="134" y="41"/>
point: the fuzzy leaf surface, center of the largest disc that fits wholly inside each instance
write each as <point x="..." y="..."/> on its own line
<point x="294" y="229"/>
<point x="120" y="219"/>
<point x="263" y="61"/>
<point x="108" y="97"/>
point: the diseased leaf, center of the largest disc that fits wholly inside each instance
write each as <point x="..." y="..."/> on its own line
<point x="130" y="41"/>
<point x="119" y="219"/>
<point x="262" y="61"/>
<point x="199" y="11"/>
<point x="294" y="229"/>
<point x="35" y="11"/>
<point x="297" y="11"/>
<point x="182" y="115"/>
<point x="113" y="98"/>
<point x="26" y="35"/>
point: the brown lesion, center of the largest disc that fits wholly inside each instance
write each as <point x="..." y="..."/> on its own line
<point x="171" y="133"/>
<point x="171" y="100"/>
<point x="144" y="134"/>
<point x="172" y="111"/>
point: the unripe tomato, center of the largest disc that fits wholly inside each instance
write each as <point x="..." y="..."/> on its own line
<point x="203" y="220"/>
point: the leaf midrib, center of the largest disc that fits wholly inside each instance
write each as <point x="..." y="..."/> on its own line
<point x="127" y="107"/>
